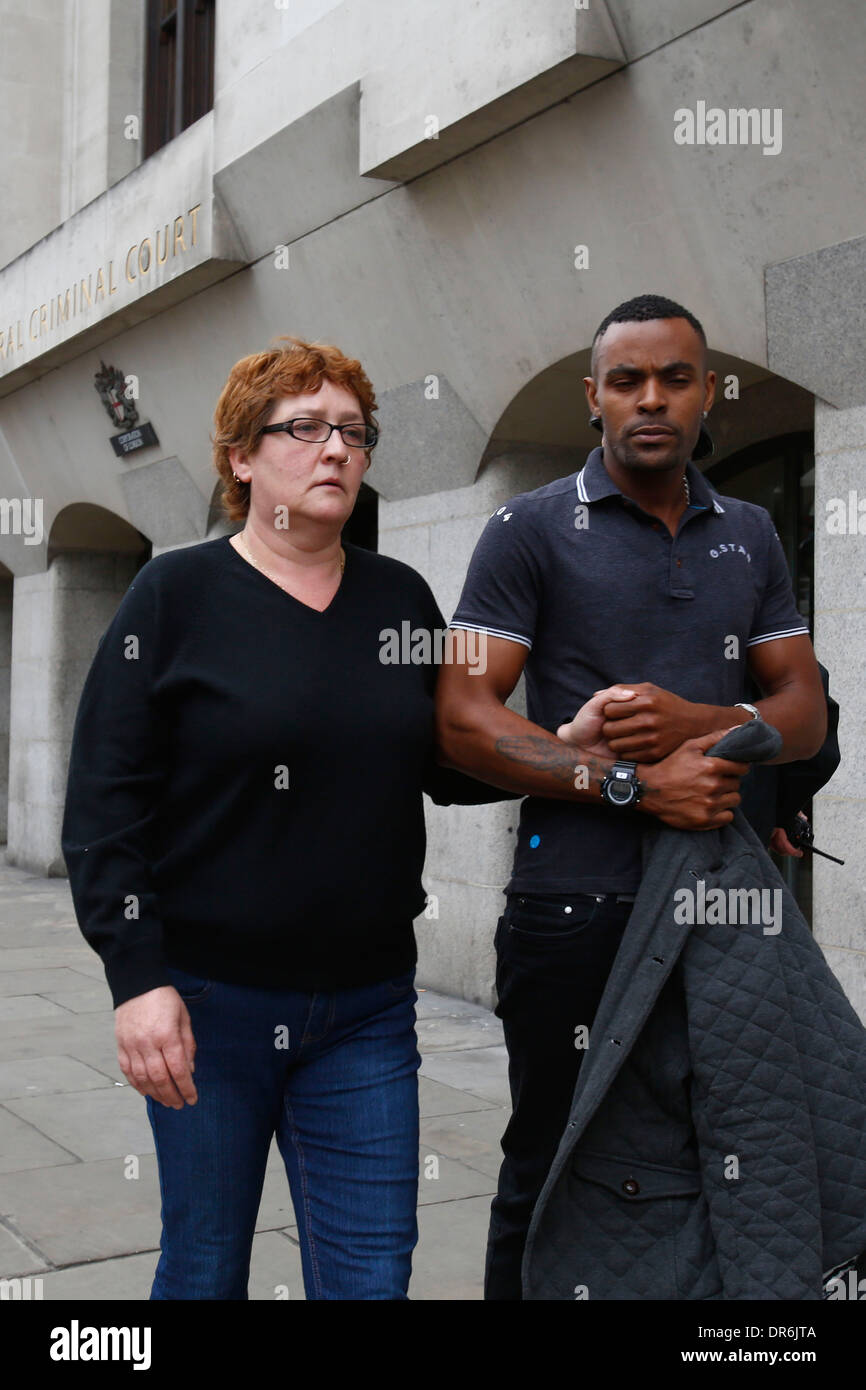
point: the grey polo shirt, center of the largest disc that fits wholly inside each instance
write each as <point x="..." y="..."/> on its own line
<point x="599" y="592"/>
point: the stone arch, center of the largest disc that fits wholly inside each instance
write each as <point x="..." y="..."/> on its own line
<point x="60" y="613"/>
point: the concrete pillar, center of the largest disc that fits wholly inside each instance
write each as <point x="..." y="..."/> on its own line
<point x="58" y="617"/>
<point x="5" y="679"/>
<point x="840" y="643"/>
<point x="469" y="848"/>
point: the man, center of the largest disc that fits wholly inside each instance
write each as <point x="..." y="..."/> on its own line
<point x="633" y="576"/>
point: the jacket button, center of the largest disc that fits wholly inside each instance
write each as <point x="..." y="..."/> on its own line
<point x="631" y="1187"/>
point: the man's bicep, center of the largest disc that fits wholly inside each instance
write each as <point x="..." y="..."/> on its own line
<point x="477" y="669"/>
<point x="783" y="661"/>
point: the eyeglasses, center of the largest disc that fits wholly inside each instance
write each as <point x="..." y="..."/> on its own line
<point x="318" y="431"/>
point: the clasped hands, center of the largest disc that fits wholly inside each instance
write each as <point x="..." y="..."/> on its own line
<point x="668" y="738"/>
<point x="641" y="723"/>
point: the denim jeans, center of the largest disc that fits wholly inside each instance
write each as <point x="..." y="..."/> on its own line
<point x="553" y="956"/>
<point x="334" y="1077"/>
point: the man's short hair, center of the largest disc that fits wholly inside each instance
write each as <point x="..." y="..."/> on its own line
<point x="643" y="309"/>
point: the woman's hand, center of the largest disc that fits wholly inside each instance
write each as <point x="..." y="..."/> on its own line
<point x="584" y="730"/>
<point x="155" y="1046"/>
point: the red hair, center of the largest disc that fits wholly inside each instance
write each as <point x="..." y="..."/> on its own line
<point x="254" y="386"/>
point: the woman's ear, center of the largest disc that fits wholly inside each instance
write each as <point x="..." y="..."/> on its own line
<point x="237" y="456"/>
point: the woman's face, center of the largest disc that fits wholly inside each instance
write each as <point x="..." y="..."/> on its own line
<point x="295" y="485"/>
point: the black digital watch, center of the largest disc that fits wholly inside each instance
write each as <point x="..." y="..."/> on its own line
<point x="621" y="786"/>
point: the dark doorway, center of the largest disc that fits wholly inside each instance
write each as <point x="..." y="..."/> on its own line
<point x="779" y="474"/>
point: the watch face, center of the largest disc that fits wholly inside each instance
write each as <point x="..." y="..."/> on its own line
<point x="620" y="793"/>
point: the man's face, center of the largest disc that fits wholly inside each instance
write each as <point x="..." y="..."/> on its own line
<point x="650" y="387"/>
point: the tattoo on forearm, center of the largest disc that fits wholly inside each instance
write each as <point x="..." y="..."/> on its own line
<point x="544" y="756"/>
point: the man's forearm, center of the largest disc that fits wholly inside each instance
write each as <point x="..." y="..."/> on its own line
<point x="511" y="752"/>
<point x="791" y="712"/>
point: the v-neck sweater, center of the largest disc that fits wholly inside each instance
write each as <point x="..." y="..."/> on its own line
<point x="244" y="793"/>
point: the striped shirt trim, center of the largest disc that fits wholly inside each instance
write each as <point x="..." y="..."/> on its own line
<point x="774" y="636"/>
<point x="585" y="497"/>
<point x="494" y="632"/>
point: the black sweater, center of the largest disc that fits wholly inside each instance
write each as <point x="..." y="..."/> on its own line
<point x="244" y="795"/>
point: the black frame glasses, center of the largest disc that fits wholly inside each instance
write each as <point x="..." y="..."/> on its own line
<point x="366" y="440"/>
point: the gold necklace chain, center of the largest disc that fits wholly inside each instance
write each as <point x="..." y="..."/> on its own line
<point x="273" y="577"/>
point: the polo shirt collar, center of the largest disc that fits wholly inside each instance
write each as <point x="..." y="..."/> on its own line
<point x="593" y="482"/>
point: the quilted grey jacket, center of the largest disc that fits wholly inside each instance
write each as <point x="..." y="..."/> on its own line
<point x="716" y="1144"/>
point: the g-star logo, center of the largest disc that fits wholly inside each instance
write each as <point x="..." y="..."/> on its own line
<point x="731" y="549"/>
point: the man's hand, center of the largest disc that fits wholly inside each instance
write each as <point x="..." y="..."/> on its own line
<point x="651" y="725"/>
<point x="690" y="791"/>
<point x="584" y="730"/>
<point x="155" y="1046"/>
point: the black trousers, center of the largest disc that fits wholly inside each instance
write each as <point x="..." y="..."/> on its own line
<point x="553" y="956"/>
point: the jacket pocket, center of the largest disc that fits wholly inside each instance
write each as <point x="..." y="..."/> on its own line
<point x="635" y="1230"/>
<point x="636" y="1181"/>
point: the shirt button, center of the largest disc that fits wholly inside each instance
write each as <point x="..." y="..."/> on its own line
<point x="631" y="1187"/>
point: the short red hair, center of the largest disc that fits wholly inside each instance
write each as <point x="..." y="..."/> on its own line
<point x="254" y="386"/>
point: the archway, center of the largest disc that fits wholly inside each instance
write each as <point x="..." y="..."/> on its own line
<point x="60" y="614"/>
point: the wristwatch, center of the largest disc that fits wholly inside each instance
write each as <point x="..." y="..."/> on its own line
<point x="755" y="713"/>
<point x="621" y="786"/>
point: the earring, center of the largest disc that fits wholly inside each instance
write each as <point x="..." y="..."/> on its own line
<point x="595" y="421"/>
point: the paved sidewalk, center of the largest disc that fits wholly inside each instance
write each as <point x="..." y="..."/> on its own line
<point x="73" y="1132"/>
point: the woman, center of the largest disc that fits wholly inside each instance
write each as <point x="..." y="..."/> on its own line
<point x="244" y="834"/>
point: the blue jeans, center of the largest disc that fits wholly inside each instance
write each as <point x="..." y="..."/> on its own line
<point x="334" y="1076"/>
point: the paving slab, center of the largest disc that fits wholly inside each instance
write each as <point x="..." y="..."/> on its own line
<point x="42" y="981"/>
<point x="448" y="1264"/>
<point x="275" y="1275"/>
<point x="90" y="965"/>
<point x="275" y="1269"/>
<point x="447" y="1033"/>
<point x="14" y="1007"/>
<point x="472" y="1137"/>
<point x="17" y="1260"/>
<point x="47" y="1076"/>
<point x="23" y="1146"/>
<point x="443" y="1179"/>
<point x="437" y="1099"/>
<point x="86" y="1211"/>
<point x="65" y="1033"/>
<point x="38" y="957"/>
<point x="481" y="1071"/>
<point x="90" y="997"/>
<point x="126" y="1278"/>
<point x="90" y="1124"/>
<point x="431" y="1004"/>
